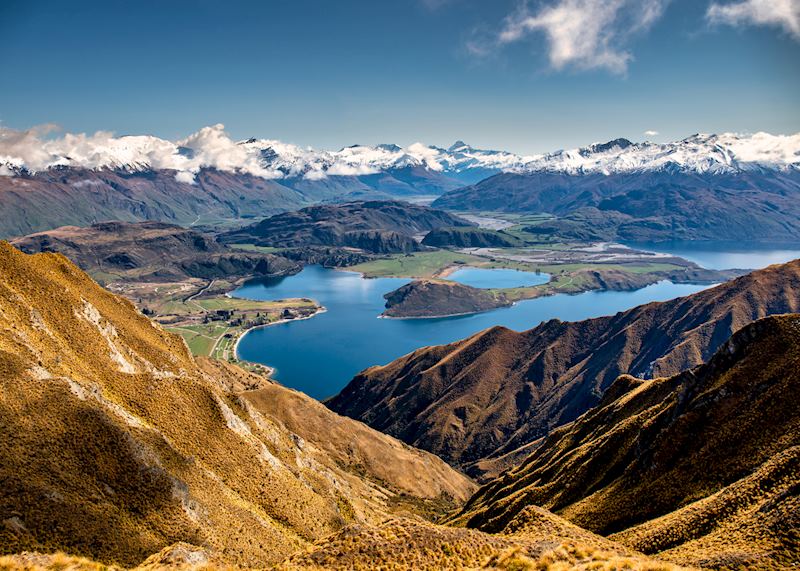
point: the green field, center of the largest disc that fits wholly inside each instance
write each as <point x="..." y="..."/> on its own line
<point x="429" y="264"/>
<point x="237" y="304"/>
<point x="209" y="339"/>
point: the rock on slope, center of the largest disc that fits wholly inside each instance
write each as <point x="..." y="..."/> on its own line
<point x="493" y="393"/>
<point x="151" y="250"/>
<point x="702" y="467"/>
<point x="439" y="298"/>
<point x="115" y="442"/>
<point x="374" y="226"/>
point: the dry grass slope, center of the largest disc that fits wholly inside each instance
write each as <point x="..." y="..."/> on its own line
<point x="115" y="443"/>
<point x="702" y="468"/>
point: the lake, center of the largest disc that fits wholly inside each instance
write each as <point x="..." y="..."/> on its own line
<point x="320" y="355"/>
<point x="500" y="278"/>
<point x="724" y="255"/>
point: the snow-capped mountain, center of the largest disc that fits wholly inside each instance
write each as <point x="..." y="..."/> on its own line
<point x="724" y="153"/>
<point x="211" y="147"/>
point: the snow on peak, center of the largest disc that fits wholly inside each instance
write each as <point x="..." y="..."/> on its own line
<point x="212" y="147"/>
<point x="728" y="152"/>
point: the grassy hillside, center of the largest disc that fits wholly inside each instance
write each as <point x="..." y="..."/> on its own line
<point x="702" y="467"/>
<point x="115" y="443"/>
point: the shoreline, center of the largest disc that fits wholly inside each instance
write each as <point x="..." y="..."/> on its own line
<point x="240" y="336"/>
<point x="382" y="316"/>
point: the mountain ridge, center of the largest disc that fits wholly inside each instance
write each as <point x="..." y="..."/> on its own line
<point x="211" y="147"/>
<point x="701" y="465"/>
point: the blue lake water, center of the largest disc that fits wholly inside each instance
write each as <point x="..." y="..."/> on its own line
<point x="320" y="355"/>
<point x="500" y="278"/>
<point x="725" y="255"/>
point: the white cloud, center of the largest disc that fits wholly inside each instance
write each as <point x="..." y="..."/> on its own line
<point x="782" y="13"/>
<point x="315" y="174"/>
<point x="586" y="34"/>
<point x="425" y="154"/>
<point x="209" y="147"/>
<point x="185" y="177"/>
<point x="650" y="133"/>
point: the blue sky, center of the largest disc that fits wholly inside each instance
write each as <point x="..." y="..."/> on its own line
<point x="526" y="77"/>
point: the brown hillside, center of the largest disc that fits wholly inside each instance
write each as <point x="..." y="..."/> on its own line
<point x="476" y="400"/>
<point x="702" y="467"/>
<point x="151" y="251"/>
<point x="536" y="540"/>
<point x="78" y="196"/>
<point x="115" y="443"/>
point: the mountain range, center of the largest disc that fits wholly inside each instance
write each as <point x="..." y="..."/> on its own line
<point x="207" y="178"/>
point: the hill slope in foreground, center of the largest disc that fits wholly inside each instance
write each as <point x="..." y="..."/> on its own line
<point x="117" y="445"/>
<point x="702" y="467"/>
<point x="479" y="403"/>
<point x="115" y="442"/>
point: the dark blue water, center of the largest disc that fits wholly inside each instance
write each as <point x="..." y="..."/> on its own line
<point x="489" y="278"/>
<point x="320" y="355"/>
<point x="725" y="255"/>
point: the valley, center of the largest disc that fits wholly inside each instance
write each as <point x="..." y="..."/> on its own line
<point x="429" y="285"/>
<point x="277" y="479"/>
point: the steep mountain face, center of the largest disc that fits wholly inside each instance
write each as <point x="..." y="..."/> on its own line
<point x="480" y="403"/>
<point x="374" y="226"/>
<point x="115" y="443"/>
<point x="702" y="468"/>
<point x="668" y="204"/>
<point x="151" y="250"/>
<point x="80" y="197"/>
